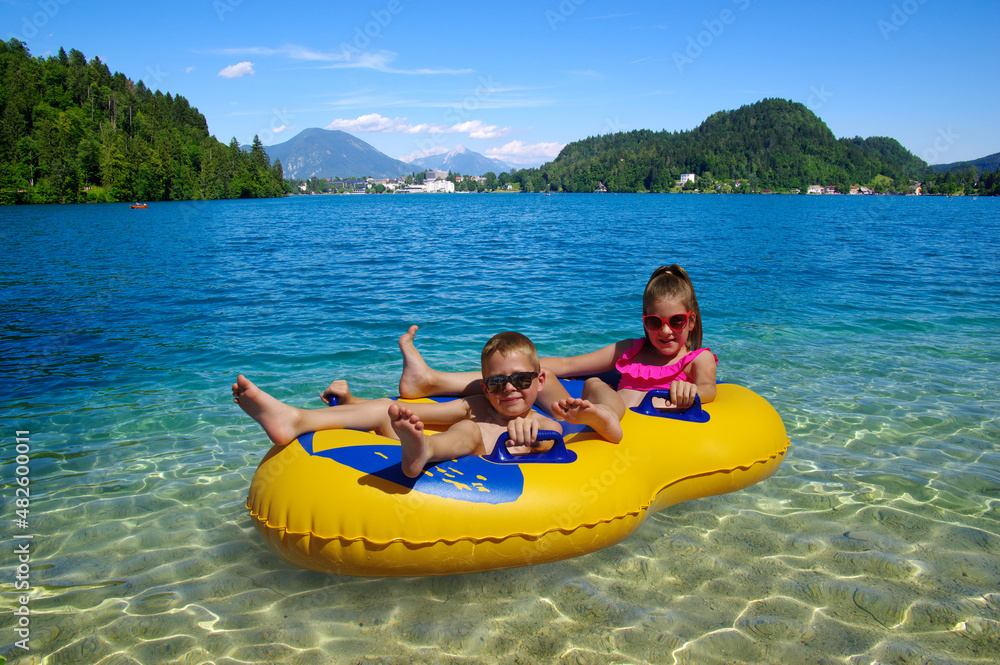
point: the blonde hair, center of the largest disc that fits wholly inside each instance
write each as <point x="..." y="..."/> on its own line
<point x="672" y="283"/>
<point x="511" y="344"/>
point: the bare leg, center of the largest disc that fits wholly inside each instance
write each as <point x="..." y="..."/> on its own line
<point x="420" y="380"/>
<point x="283" y="423"/>
<point x="419" y="449"/>
<point x="601" y="409"/>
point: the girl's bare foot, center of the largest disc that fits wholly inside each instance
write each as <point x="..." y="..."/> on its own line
<point x="595" y="416"/>
<point x="416" y="378"/>
<point x="410" y="431"/>
<point x="277" y="418"/>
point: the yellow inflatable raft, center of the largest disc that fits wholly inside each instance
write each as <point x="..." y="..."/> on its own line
<point x="337" y="502"/>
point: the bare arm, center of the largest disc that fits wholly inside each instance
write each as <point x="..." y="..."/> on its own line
<point x="595" y="362"/>
<point x="703" y="375"/>
<point x="701" y="372"/>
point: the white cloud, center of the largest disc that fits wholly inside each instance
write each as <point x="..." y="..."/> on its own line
<point x="381" y="61"/>
<point x="517" y="152"/>
<point x="347" y="57"/>
<point x="189" y="70"/>
<point x="374" y="122"/>
<point x="278" y="130"/>
<point x="237" y="70"/>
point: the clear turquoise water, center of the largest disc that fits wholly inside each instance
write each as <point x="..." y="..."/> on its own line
<point x="869" y="322"/>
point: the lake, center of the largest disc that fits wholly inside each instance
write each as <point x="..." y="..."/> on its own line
<point x="869" y="323"/>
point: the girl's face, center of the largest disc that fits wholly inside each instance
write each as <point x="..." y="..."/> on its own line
<point x="668" y="340"/>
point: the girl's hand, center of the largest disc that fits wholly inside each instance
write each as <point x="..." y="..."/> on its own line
<point x="682" y="394"/>
<point x="339" y="390"/>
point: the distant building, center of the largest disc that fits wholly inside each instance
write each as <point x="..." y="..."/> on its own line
<point x="354" y="186"/>
<point x="429" y="186"/>
<point x="435" y="174"/>
<point x="815" y="189"/>
<point x="439" y="185"/>
<point x="686" y="177"/>
<point x="829" y="190"/>
<point x="917" y="188"/>
<point x="600" y="189"/>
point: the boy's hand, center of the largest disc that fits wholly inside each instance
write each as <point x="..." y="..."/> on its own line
<point x="523" y="437"/>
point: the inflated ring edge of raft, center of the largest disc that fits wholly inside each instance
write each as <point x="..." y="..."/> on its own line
<point x="336" y="501"/>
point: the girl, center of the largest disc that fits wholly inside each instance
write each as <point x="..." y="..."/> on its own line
<point x="670" y="357"/>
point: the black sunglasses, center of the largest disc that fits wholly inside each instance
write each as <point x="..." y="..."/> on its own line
<point x="520" y="381"/>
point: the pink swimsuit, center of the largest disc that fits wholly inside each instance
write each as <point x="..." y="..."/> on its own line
<point x="637" y="376"/>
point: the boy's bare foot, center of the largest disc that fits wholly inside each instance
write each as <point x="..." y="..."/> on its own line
<point x="277" y="418"/>
<point x="410" y="431"/>
<point x="583" y="412"/>
<point x="415" y="380"/>
<point x="341" y="391"/>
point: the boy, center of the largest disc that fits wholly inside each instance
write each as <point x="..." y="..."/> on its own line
<point x="512" y="380"/>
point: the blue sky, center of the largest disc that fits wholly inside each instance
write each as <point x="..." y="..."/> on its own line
<point x="518" y="80"/>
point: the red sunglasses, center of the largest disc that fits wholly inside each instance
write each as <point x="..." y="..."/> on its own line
<point x="652" y="322"/>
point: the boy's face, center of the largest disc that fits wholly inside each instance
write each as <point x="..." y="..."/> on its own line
<point x="512" y="402"/>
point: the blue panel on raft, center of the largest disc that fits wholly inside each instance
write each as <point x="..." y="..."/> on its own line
<point x="470" y="479"/>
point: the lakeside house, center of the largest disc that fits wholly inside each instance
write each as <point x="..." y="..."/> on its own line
<point x="685" y="178"/>
<point x="439" y="186"/>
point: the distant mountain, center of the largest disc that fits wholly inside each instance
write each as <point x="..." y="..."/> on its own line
<point x="326" y="153"/>
<point x="988" y="163"/>
<point x="772" y="144"/>
<point x="464" y="161"/>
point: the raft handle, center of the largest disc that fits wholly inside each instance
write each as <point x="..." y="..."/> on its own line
<point x="557" y="454"/>
<point x="692" y="414"/>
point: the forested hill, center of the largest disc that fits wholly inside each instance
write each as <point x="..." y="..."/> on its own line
<point x="983" y="164"/>
<point x="71" y="131"/>
<point x="772" y="144"/>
